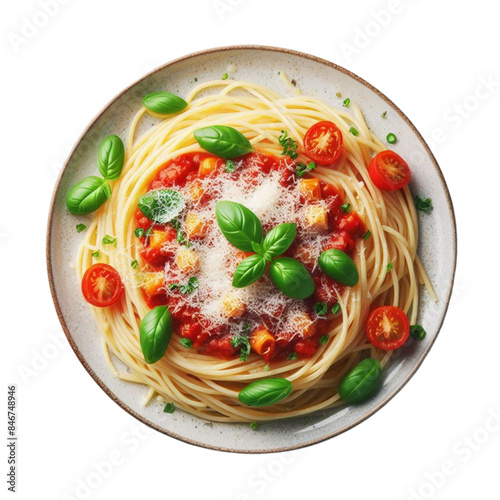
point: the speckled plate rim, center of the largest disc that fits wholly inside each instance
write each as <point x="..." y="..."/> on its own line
<point x="62" y="320"/>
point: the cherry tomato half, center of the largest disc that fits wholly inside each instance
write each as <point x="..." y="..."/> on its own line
<point x="388" y="327"/>
<point x="389" y="171"/>
<point x="323" y="143"/>
<point x="101" y="285"/>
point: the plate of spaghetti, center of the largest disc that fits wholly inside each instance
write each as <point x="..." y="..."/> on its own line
<point x="251" y="249"/>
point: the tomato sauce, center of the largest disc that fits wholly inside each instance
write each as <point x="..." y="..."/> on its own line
<point x="344" y="229"/>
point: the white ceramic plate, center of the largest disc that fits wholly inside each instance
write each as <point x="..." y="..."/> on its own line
<point x="314" y="76"/>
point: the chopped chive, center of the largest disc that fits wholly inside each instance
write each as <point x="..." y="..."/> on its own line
<point x="346" y="103"/>
<point x="346" y="208"/>
<point x="109" y="240"/>
<point x="389" y="266"/>
<point x="80" y="228"/>
<point x="186" y="343"/>
<point x="335" y="309"/>
<point x="288" y="144"/>
<point x="224" y="76"/>
<point x="169" y="408"/>
<point x="384" y="115"/>
<point x="354" y="131"/>
<point x="293" y="356"/>
<point x="96" y="254"/>
<point x="367" y="234"/>
<point x="323" y="339"/>
<point x="417" y="332"/>
<point x="391" y="138"/>
<point x="230" y="166"/>
<point x="134" y="264"/>
<point x="254" y="426"/>
<point x="321" y="308"/>
<point x="423" y="204"/>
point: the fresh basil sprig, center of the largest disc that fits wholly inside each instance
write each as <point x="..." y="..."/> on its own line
<point x="111" y="157"/>
<point x="243" y="229"/>
<point x="223" y="141"/>
<point x="155" y="333"/>
<point x="265" y="392"/>
<point x="278" y="240"/>
<point x="361" y="382"/>
<point x="164" y="103"/>
<point x="339" y="266"/>
<point x="249" y="271"/>
<point x="161" y="205"/>
<point x="291" y="277"/>
<point x="239" y="224"/>
<point x="87" y="196"/>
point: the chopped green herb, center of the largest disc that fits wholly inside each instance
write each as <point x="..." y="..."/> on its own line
<point x="346" y="103"/>
<point x="423" y="204"/>
<point x="384" y="115"/>
<point x="254" y="426"/>
<point x="389" y="266"/>
<point x="169" y="408"/>
<point x="267" y="368"/>
<point x="324" y="339"/>
<point x="134" y="264"/>
<point x="346" y="208"/>
<point x="391" y="138"/>
<point x="224" y="76"/>
<point x="417" y="332"/>
<point x="335" y="309"/>
<point x="302" y="168"/>
<point x="293" y="356"/>
<point x="80" y="228"/>
<point x="96" y="254"/>
<point x="321" y="308"/>
<point x="288" y="144"/>
<point x="109" y="240"/>
<point x="354" y="131"/>
<point x="176" y="224"/>
<point x="191" y="286"/>
<point x="367" y="234"/>
<point x="186" y="343"/>
<point x="244" y="344"/>
<point x="139" y="232"/>
<point x="230" y="166"/>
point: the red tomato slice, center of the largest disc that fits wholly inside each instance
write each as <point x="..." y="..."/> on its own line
<point x="389" y="171"/>
<point x="101" y="285"/>
<point x="388" y="327"/>
<point x="323" y="142"/>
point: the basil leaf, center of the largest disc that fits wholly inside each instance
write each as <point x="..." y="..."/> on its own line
<point x="87" y="196"/>
<point x="111" y="157"/>
<point x="339" y="266"/>
<point x="249" y="271"/>
<point x="265" y="392"/>
<point x="164" y="103"/>
<point x="359" y="383"/>
<point x="155" y="333"/>
<point x="278" y="240"/>
<point x="291" y="277"/>
<point x="226" y="142"/>
<point x="161" y="205"/>
<point x="239" y="225"/>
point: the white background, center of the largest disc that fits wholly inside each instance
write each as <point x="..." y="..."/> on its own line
<point x="430" y="58"/>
